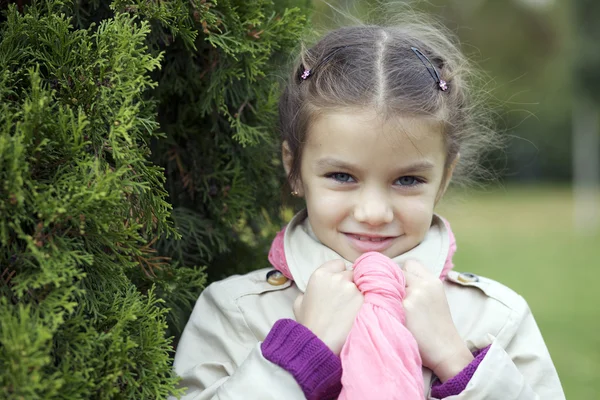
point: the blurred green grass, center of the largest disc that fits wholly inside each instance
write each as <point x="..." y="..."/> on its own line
<point x="523" y="236"/>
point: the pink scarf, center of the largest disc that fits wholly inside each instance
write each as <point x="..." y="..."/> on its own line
<point x="380" y="358"/>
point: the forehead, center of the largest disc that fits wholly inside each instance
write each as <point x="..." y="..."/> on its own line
<point x="361" y="136"/>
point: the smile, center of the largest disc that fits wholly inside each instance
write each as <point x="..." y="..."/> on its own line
<point x="370" y="239"/>
<point x="365" y="244"/>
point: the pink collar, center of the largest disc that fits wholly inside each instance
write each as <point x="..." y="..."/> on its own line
<point x="278" y="260"/>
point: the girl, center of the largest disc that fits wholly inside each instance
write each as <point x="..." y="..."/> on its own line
<point x="375" y="121"/>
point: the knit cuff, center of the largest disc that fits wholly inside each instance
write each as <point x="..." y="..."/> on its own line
<point x="296" y="349"/>
<point x="457" y="384"/>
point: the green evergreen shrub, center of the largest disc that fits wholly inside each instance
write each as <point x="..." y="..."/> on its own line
<point x="218" y="110"/>
<point x="97" y="268"/>
<point x="80" y="206"/>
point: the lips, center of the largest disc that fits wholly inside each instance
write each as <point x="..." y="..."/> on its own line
<point x="369" y="238"/>
<point x="365" y="243"/>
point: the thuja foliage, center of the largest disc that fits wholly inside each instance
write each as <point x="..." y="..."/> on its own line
<point x="217" y="94"/>
<point x="217" y="106"/>
<point x="99" y="246"/>
<point x="80" y="207"/>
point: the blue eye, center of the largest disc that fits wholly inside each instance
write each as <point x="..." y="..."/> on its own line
<point x="341" y="177"/>
<point x="408" y="181"/>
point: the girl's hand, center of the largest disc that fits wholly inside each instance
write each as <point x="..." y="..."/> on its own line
<point x="428" y="319"/>
<point x="330" y="304"/>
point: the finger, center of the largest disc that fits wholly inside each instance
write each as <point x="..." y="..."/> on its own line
<point x="298" y="304"/>
<point x="414" y="267"/>
<point x="334" y="266"/>
<point x="347" y="275"/>
<point x="414" y="271"/>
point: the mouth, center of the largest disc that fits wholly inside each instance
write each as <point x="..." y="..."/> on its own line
<point x="366" y="243"/>
<point x="364" y="238"/>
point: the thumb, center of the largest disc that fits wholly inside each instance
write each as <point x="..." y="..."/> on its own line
<point x="337" y="265"/>
<point x="298" y="304"/>
<point x="413" y="271"/>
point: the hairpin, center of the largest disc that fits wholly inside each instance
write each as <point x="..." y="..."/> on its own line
<point x="443" y="85"/>
<point x="307" y="73"/>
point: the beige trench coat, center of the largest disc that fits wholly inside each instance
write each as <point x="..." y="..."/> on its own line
<point x="219" y="357"/>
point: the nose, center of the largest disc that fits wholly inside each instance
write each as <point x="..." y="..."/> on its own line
<point x="373" y="207"/>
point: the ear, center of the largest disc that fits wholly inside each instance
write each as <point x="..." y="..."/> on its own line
<point x="447" y="178"/>
<point x="287" y="158"/>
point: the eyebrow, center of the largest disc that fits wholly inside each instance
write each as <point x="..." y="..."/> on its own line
<point x="418" y="166"/>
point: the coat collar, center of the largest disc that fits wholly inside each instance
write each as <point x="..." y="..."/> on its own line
<point x="304" y="253"/>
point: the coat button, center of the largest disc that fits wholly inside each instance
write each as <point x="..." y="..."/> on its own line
<point x="467" y="277"/>
<point x="276" y="278"/>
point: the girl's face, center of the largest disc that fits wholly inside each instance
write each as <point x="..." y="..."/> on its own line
<point x="371" y="185"/>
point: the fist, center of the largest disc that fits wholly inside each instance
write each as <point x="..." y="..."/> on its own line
<point x="330" y="304"/>
<point x="429" y="320"/>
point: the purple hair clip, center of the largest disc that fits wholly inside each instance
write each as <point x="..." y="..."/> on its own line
<point x="309" y="72"/>
<point x="305" y="74"/>
<point x="443" y="85"/>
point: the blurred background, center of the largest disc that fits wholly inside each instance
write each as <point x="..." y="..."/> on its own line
<point x="537" y="229"/>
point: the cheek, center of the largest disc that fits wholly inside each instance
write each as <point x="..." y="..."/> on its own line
<point x="417" y="213"/>
<point x="326" y="204"/>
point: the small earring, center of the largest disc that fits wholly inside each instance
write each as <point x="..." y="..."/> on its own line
<point x="294" y="193"/>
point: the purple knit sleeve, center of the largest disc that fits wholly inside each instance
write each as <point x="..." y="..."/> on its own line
<point x="296" y="349"/>
<point x="457" y="384"/>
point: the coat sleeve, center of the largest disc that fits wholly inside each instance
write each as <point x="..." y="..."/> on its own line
<point x="517" y="365"/>
<point x="219" y="358"/>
